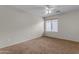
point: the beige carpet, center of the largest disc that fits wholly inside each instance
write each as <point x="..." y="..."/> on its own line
<point x="43" y="45"/>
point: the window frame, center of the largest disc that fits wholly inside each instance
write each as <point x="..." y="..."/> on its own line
<point x="51" y="26"/>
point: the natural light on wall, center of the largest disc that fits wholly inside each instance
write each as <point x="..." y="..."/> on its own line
<point x="51" y="25"/>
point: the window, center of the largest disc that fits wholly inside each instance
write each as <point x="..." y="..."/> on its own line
<point x="52" y="25"/>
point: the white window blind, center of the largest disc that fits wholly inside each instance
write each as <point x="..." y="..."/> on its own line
<point x="52" y="25"/>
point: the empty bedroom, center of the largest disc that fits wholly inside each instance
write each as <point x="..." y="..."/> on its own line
<point x="39" y="29"/>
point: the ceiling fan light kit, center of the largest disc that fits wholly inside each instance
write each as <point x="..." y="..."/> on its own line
<point x="51" y="10"/>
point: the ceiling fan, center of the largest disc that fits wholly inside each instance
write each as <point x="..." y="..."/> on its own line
<point x="52" y="10"/>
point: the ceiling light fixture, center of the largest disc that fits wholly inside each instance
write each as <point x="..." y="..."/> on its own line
<point x="52" y="10"/>
<point x="49" y="9"/>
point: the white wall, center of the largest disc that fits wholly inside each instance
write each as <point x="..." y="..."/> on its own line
<point x="68" y="27"/>
<point x="17" y="26"/>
